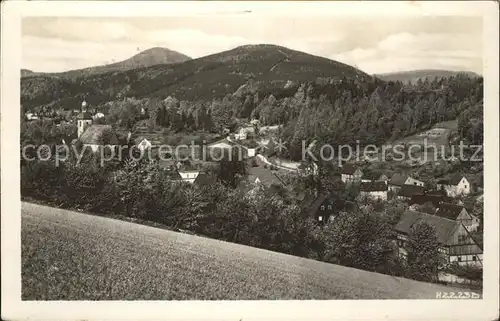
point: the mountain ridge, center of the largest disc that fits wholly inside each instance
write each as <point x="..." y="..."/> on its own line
<point x="146" y="58"/>
<point x="268" y="67"/>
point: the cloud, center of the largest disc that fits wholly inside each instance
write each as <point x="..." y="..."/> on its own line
<point x="405" y="51"/>
<point x="373" y="45"/>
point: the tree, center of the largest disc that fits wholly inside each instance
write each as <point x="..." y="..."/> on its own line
<point x="361" y="240"/>
<point x="232" y="168"/>
<point x="424" y="259"/>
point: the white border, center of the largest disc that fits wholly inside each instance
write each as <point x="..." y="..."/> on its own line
<point x="14" y="308"/>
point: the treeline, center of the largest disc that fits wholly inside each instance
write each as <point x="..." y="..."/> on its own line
<point x="343" y="112"/>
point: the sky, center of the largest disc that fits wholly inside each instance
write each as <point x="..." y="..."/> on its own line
<point x="372" y="44"/>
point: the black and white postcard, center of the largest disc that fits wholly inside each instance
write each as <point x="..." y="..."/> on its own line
<point x="250" y="160"/>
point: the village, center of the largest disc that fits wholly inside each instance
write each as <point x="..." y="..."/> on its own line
<point x="458" y="231"/>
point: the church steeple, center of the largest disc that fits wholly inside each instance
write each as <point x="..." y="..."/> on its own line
<point x="84" y="119"/>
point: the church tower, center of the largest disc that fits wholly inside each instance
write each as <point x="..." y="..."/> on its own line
<point x="84" y="119"/>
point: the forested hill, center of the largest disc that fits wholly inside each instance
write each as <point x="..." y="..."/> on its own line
<point x="413" y="76"/>
<point x="258" y="68"/>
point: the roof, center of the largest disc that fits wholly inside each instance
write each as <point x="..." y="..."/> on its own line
<point x="205" y="179"/>
<point x="99" y="135"/>
<point x="444" y="227"/>
<point x="478" y="238"/>
<point x="398" y="179"/>
<point x="373" y="187"/>
<point x="317" y="203"/>
<point x="451" y="180"/>
<point x="410" y="190"/>
<point x="436" y="193"/>
<point x="450" y="211"/>
<point x="422" y="199"/>
<point x="266" y="176"/>
<point x="220" y="141"/>
<point x="348" y="169"/>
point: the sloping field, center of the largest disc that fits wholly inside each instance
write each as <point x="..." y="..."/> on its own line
<point x="73" y="256"/>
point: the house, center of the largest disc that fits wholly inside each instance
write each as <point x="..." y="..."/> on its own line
<point x="435" y="200"/>
<point x="456" y="243"/>
<point x="322" y="209"/>
<point x="398" y="180"/>
<point x="459" y="214"/>
<point x="99" y="136"/>
<point x="259" y="177"/>
<point x="264" y="176"/>
<point x="349" y="173"/>
<point x="243" y="133"/>
<point x="144" y="144"/>
<point x="94" y="136"/>
<point x="205" y="179"/>
<point x="373" y="190"/>
<point x="31" y="116"/>
<point x="98" y="115"/>
<point x="455" y="185"/>
<point x="225" y="147"/>
<point x="407" y="191"/>
<point x="189" y="175"/>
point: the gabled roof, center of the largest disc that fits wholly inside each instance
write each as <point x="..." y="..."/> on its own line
<point x="317" y="203"/>
<point x="398" y="179"/>
<point x="205" y="179"/>
<point x="266" y="176"/>
<point x="444" y="227"/>
<point x="221" y="141"/>
<point x="348" y="169"/>
<point x="373" y="187"/>
<point x="410" y="190"/>
<point x="422" y="199"/>
<point x="450" y="211"/>
<point x="451" y="180"/>
<point x="99" y="135"/>
<point x="478" y="238"/>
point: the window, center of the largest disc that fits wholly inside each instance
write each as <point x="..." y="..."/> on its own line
<point x="329" y="207"/>
<point x="459" y="258"/>
<point x="473" y="258"/>
<point x="320" y="218"/>
<point x="322" y="207"/>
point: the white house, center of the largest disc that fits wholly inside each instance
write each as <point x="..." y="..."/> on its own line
<point x="189" y="175"/>
<point x="349" y="173"/>
<point x="455" y="186"/>
<point x="98" y="115"/>
<point x="399" y="180"/>
<point x="243" y="133"/>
